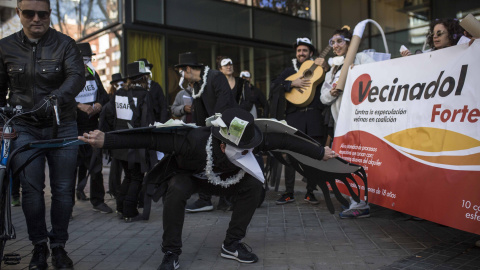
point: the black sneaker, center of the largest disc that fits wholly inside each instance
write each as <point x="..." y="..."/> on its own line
<point x="286" y="198"/>
<point x="239" y="251"/>
<point x="60" y="259"/>
<point x="199" y="206"/>
<point x="103" y="208"/>
<point x="169" y="262"/>
<point x="310" y="198"/>
<point x="39" y="257"/>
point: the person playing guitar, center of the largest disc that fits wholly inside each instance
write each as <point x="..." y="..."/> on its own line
<point x="307" y="118"/>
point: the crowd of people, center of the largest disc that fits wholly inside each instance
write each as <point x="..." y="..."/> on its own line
<point x="223" y="160"/>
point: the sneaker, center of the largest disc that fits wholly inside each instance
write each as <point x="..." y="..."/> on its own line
<point x="310" y="198"/>
<point x="81" y="196"/>
<point x="60" y="259"/>
<point x="199" y="206"/>
<point x="16" y="202"/>
<point x="103" y="208"/>
<point x="169" y="262"/>
<point x="39" y="257"/>
<point x="119" y="214"/>
<point x="286" y="198"/>
<point x="239" y="251"/>
<point x="355" y="213"/>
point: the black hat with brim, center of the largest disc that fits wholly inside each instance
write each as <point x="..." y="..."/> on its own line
<point x="148" y="64"/>
<point x="252" y="136"/>
<point x="188" y="59"/>
<point x="85" y="49"/>
<point x="116" y="77"/>
<point x="136" y="69"/>
<point x="308" y="44"/>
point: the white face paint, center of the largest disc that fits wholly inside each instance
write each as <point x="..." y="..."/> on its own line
<point x="246" y="162"/>
<point x="149" y="71"/>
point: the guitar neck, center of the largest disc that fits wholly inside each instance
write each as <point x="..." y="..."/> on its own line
<point x="325" y="51"/>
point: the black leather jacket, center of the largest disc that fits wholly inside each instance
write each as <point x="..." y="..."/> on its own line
<point x="53" y="66"/>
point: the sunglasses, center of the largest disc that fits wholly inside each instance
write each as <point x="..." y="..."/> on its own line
<point x="340" y="41"/>
<point x="439" y="33"/>
<point x="30" y="14"/>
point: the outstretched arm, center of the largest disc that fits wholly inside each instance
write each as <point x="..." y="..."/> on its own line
<point x="279" y="141"/>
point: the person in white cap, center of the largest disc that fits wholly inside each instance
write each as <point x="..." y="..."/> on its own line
<point x="306" y="119"/>
<point x="260" y="103"/>
<point x="217" y="159"/>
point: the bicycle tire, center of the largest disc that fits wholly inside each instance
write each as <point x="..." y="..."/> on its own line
<point x="3" y="199"/>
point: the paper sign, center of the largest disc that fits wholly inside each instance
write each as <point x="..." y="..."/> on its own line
<point x="123" y="108"/>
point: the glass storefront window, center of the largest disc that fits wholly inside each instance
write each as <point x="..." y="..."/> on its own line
<point x="297" y="8"/>
<point x="149" y="11"/>
<point x="78" y="18"/>
<point x="263" y="64"/>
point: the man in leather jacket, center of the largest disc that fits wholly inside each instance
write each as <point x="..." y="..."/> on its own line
<point x="38" y="65"/>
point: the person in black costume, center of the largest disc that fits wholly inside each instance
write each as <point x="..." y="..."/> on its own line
<point x="259" y="100"/>
<point x="160" y="107"/>
<point x="89" y="104"/>
<point x="132" y="106"/>
<point x="307" y="119"/>
<point x="212" y="94"/>
<point x="218" y="160"/>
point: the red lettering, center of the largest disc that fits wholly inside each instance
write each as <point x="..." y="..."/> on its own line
<point x="473" y="113"/>
<point x="447" y="115"/>
<point x="435" y="111"/>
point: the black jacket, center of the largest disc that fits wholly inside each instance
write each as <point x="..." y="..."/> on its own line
<point x="53" y="66"/>
<point x="160" y="107"/>
<point x="85" y="122"/>
<point x="216" y="97"/>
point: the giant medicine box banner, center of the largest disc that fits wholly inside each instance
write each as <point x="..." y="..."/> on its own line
<point x="414" y="124"/>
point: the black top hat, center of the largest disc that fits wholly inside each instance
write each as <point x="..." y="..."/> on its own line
<point x="136" y="69"/>
<point x="148" y="64"/>
<point x="116" y="77"/>
<point x="304" y="41"/>
<point x="85" y="49"/>
<point x="188" y="59"/>
<point x="252" y="136"/>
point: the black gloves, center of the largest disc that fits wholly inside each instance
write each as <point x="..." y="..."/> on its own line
<point x="43" y="109"/>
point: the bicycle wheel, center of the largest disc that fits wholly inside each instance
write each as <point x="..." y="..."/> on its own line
<point x="3" y="213"/>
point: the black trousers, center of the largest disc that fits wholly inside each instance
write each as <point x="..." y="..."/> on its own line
<point x="290" y="174"/>
<point x="247" y="196"/>
<point x="127" y="199"/>
<point x="97" y="190"/>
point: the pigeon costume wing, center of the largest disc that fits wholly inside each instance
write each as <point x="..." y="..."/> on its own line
<point x="321" y="172"/>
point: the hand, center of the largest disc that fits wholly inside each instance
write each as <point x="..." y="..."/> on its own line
<point x="471" y="41"/>
<point x="334" y="92"/>
<point x="95" y="138"/>
<point x="301" y="82"/>
<point x="43" y="109"/>
<point x="187" y="108"/>
<point x="329" y="153"/>
<point x="97" y="108"/>
<point x="88" y="109"/>
<point x="406" y="53"/>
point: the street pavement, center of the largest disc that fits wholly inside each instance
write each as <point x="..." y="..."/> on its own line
<point x="292" y="236"/>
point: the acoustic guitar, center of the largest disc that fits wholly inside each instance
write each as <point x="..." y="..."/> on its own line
<point x="302" y="97"/>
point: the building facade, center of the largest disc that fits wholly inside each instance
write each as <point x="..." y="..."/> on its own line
<point x="256" y="34"/>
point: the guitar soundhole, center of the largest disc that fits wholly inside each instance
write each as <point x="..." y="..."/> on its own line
<point x="307" y="74"/>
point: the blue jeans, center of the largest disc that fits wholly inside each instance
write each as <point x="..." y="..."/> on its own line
<point x="61" y="164"/>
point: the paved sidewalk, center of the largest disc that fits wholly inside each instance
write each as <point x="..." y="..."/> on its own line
<point x="293" y="236"/>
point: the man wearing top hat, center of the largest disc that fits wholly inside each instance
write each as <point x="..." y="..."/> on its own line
<point x="90" y="102"/>
<point x="306" y="119"/>
<point x="217" y="160"/>
<point x="160" y="102"/>
<point x="211" y="92"/>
